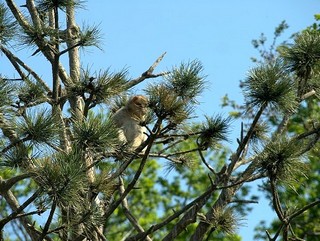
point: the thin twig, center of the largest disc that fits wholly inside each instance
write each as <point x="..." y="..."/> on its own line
<point x="49" y="220"/>
<point x="276" y="200"/>
<point x="205" y="162"/>
<point x="235" y="157"/>
<point x="15" y="213"/>
<point x="147" y="74"/>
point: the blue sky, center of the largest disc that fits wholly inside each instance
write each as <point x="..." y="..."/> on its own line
<point x="218" y="33"/>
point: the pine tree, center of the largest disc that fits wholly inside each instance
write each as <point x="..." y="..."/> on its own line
<point x="61" y="158"/>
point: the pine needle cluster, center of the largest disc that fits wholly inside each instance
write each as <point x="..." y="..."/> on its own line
<point x="96" y="133"/>
<point x="282" y="160"/>
<point x="270" y="85"/>
<point x="187" y="80"/>
<point x="45" y="5"/>
<point x="30" y="92"/>
<point x="100" y="89"/>
<point x="166" y="104"/>
<point x="302" y="57"/>
<point x="62" y="177"/>
<point x="175" y="97"/>
<point x="8" y="26"/>
<point x="214" y="130"/>
<point x="6" y="93"/>
<point x="224" y="220"/>
<point x="39" y="127"/>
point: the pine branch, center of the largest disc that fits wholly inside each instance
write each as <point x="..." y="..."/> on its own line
<point x="191" y="210"/>
<point x="303" y="209"/>
<point x="14" y="59"/>
<point x="5" y="185"/>
<point x="18" y="15"/>
<point x="17" y="210"/>
<point x="276" y="200"/>
<point x="131" y="185"/>
<point x="242" y="145"/>
<point x="49" y="220"/>
<point x="13" y="62"/>
<point x="8" y="130"/>
<point x="33" y="13"/>
<point x="15" y="143"/>
<point x="205" y="162"/>
<point x="127" y="212"/>
<point x="147" y="74"/>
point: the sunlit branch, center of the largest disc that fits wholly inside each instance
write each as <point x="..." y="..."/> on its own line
<point x="235" y="157"/>
<point x="147" y="74"/>
<point x="127" y="212"/>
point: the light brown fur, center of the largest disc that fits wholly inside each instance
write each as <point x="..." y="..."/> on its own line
<point x="129" y="119"/>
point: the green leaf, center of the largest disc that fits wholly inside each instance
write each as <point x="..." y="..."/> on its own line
<point x="317" y="16"/>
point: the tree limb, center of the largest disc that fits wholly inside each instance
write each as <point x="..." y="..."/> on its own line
<point x="127" y="212"/>
<point x="148" y="74"/>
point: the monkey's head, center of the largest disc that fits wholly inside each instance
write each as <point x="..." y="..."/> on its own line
<point x="138" y="106"/>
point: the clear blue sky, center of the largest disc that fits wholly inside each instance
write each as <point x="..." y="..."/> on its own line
<point x="218" y="33"/>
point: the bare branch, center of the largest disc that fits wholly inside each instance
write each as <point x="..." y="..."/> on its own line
<point x="127" y="212"/>
<point x="148" y="74"/>
<point x="15" y="59"/>
<point x="7" y="184"/>
<point x="242" y="145"/>
<point x="49" y="220"/>
<point x="193" y="207"/>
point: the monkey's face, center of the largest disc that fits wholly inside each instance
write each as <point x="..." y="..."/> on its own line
<point x="139" y="105"/>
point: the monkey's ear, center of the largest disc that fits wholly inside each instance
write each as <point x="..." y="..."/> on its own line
<point x="134" y="98"/>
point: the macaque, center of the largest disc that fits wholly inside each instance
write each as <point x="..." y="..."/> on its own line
<point x="129" y="119"/>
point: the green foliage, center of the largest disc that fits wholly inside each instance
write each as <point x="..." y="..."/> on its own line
<point x="61" y="177"/>
<point x="90" y="36"/>
<point x="6" y="93"/>
<point x="214" y="130"/>
<point x="96" y="133"/>
<point x="175" y="97"/>
<point x="303" y="55"/>
<point x="187" y="80"/>
<point x="39" y="127"/>
<point x="30" y="92"/>
<point x="46" y="5"/>
<point x="281" y="159"/>
<point x="7" y="25"/>
<point x="269" y="84"/>
<point x="184" y="179"/>
<point x="16" y="156"/>
<point x="279" y="156"/>
<point x="166" y="104"/>
<point x="268" y="54"/>
<point x="225" y="220"/>
<point x="101" y="88"/>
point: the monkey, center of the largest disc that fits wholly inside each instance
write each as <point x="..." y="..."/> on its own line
<point x="129" y="118"/>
